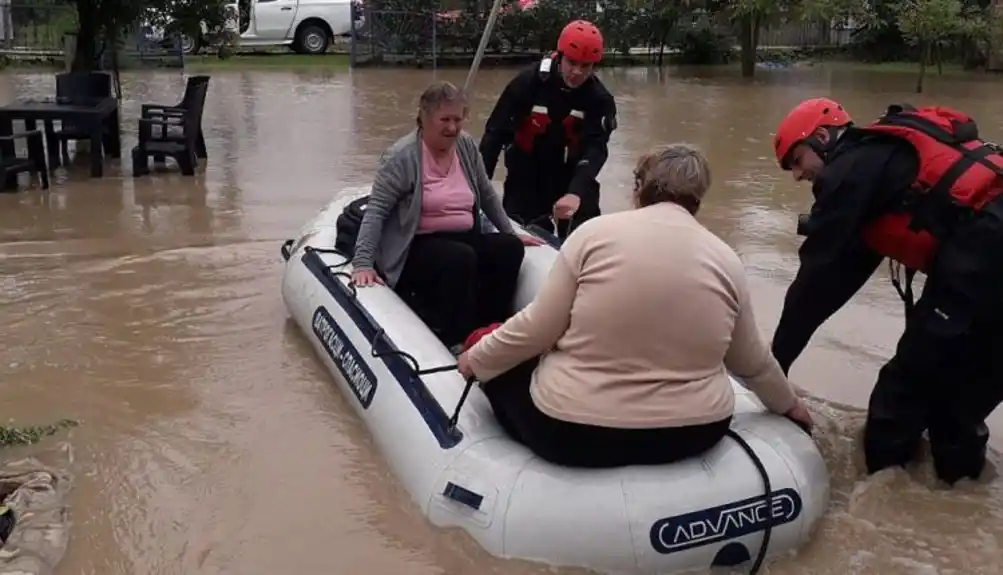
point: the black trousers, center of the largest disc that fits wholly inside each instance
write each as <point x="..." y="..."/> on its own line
<point x="945" y="376"/>
<point x="457" y="282"/>
<point x="577" y="445"/>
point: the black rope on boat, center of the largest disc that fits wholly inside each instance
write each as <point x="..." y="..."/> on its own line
<point x="418" y="372"/>
<point x="349" y="284"/>
<point x="380" y="336"/>
<point x="459" y="404"/>
<point x="345" y="258"/>
<point x="768" y="530"/>
<point x="410" y="359"/>
<point x="537" y="226"/>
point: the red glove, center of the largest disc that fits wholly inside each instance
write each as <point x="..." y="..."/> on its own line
<point x="476" y="335"/>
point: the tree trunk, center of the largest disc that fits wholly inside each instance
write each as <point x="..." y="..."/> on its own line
<point x="970" y="54"/>
<point x="87" y="36"/>
<point x="748" y="39"/>
<point x="661" y="46"/>
<point x="923" y="59"/>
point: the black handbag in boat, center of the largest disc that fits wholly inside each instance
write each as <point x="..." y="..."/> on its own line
<point x="348" y="224"/>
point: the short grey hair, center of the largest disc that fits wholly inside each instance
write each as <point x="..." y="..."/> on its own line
<point x="677" y="173"/>
<point x="438" y="94"/>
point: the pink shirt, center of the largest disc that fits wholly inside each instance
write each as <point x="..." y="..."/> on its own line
<point x="447" y="204"/>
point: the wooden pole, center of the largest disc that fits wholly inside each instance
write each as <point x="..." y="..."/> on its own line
<point x="482" y="46"/>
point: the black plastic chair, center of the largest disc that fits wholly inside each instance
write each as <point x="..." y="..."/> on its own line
<point x="12" y="165"/>
<point x="182" y="145"/>
<point x="80" y="88"/>
<point x="177" y="111"/>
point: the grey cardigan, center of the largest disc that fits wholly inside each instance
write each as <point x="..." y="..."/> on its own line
<point x="394" y="208"/>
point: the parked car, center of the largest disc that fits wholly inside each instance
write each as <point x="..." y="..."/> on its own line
<point x="307" y="26"/>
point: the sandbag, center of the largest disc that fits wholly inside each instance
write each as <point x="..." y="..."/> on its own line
<point x="37" y="496"/>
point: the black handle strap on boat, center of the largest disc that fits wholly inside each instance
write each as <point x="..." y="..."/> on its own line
<point x="344" y="261"/>
<point x="380" y="337"/>
<point x="416" y="369"/>
<point x="768" y="530"/>
<point x="335" y="269"/>
<point x="287" y="252"/>
<point x="459" y="404"/>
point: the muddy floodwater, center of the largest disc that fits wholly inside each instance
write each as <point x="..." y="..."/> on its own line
<point x="211" y="439"/>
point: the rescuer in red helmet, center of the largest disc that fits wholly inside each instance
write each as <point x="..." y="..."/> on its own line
<point x="555" y="129"/>
<point x="917" y="186"/>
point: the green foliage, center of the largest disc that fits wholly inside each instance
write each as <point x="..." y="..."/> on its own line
<point x="762" y="8"/>
<point x="705" y="46"/>
<point x="929" y="21"/>
<point x="104" y="24"/>
<point x="10" y="436"/>
<point x="864" y="12"/>
<point x="187" y="16"/>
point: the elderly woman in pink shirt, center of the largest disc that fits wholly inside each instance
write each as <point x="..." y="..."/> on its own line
<point x="422" y="232"/>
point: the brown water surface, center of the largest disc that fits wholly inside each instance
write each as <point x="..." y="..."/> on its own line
<point x="212" y="440"/>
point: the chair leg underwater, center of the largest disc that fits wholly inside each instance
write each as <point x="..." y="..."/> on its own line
<point x="200" y="149"/>
<point x="186" y="161"/>
<point x="36" y="153"/>
<point x="43" y="175"/>
<point x="140" y="163"/>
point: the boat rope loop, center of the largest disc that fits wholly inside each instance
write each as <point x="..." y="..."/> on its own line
<point x="536" y="226"/>
<point x="768" y="529"/>
<point x="417" y="370"/>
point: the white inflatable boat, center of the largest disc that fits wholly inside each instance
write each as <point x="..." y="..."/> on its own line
<point x="758" y="493"/>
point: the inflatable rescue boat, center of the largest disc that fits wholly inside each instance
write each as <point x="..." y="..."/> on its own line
<point x="758" y="493"/>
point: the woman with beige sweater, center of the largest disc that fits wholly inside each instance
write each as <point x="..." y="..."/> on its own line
<point x="623" y="356"/>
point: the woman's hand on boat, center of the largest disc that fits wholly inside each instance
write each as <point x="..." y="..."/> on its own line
<point x="799" y="414"/>
<point x="363" y="278"/>
<point x="528" y="240"/>
<point x="463" y="366"/>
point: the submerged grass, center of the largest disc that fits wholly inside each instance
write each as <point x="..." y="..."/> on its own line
<point x="29" y="435"/>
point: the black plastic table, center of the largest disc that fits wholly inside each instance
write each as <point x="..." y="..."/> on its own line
<point x="99" y="118"/>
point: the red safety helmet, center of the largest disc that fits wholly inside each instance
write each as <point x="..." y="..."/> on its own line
<point x="581" y="41"/>
<point x="801" y="123"/>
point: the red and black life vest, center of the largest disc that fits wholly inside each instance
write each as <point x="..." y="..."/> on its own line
<point x="538" y="121"/>
<point x="958" y="173"/>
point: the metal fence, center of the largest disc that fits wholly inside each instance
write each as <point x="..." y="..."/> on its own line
<point x="424" y="38"/>
<point x="804" y="35"/>
<point x="429" y="39"/>
<point x="39" y="32"/>
<point x="34" y="29"/>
